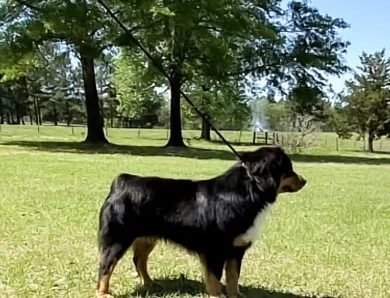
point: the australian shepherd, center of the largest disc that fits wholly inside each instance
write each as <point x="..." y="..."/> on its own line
<point x="217" y="219"/>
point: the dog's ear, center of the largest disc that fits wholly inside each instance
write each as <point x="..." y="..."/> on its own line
<point x="255" y="167"/>
<point x="255" y="162"/>
<point x="263" y="160"/>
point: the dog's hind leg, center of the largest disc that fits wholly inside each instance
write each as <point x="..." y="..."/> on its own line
<point x="109" y="258"/>
<point x="142" y="248"/>
<point x="114" y="241"/>
<point x="213" y="268"/>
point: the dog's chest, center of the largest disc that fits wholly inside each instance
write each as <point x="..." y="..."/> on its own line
<point x="254" y="232"/>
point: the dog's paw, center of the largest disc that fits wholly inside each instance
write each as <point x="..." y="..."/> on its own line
<point x="134" y="274"/>
<point x="237" y="295"/>
<point x="103" y="295"/>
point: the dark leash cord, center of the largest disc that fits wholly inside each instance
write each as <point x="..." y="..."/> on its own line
<point x="161" y="69"/>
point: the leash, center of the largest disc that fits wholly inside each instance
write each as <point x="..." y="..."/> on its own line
<point x="161" y="69"/>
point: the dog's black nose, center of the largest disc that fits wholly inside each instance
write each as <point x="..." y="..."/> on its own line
<point x="303" y="181"/>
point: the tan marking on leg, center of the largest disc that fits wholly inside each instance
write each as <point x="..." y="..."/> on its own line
<point x="213" y="285"/>
<point x="241" y="241"/>
<point x="104" y="283"/>
<point x="232" y="276"/>
<point x="142" y="248"/>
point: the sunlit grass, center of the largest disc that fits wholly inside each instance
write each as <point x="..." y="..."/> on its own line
<point x="330" y="239"/>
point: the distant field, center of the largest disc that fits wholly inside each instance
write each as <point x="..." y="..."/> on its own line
<point x="323" y="141"/>
<point x="331" y="239"/>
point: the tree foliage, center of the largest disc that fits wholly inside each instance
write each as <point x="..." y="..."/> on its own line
<point x="137" y="96"/>
<point x="81" y="25"/>
<point x="368" y="100"/>
<point x="290" y="48"/>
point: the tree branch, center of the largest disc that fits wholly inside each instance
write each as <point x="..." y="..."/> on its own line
<point x="54" y="37"/>
<point x="250" y="69"/>
<point x="29" y="5"/>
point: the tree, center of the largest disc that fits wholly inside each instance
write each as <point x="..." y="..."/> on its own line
<point x="137" y="96"/>
<point x="340" y="121"/>
<point x="278" y="115"/>
<point x="224" y="104"/>
<point x="368" y="100"/>
<point x="43" y="85"/>
<point x="219" y="40"/>
<point x="196" y="39"/>
<point x="47" y="83"/>
<point x="81" y="25"/>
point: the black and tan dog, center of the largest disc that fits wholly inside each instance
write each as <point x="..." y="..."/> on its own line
<point x="218" y="219"/>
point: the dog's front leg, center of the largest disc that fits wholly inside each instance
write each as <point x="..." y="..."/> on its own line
<point x="213" y="269"/>
<point x="232" y="272"/>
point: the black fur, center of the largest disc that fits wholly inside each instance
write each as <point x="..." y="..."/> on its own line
<point x="202" y="216"/>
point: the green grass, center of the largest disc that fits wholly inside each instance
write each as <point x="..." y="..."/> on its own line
<point x="331" y="239"/>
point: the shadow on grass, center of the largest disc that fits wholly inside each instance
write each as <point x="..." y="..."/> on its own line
<point x="83" y="148"/>
<point x="369" y="159"/>
<point x="188" y="152"/>
<point x="176" y="287"/>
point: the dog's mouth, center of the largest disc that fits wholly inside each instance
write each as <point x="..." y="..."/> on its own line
<point x="292" y="183"/>
<point x="286" y="189"/>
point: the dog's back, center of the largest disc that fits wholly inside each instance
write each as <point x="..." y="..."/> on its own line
<point x="137" y="200"/>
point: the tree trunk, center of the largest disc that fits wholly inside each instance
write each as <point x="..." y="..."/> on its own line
<point x="68" y="114"/>
<point x="11" y="114"/>
<point x="55" y="115"/>
<point x="371" y="138"/>
<point x="17" y="110"/>
<point x="39" y="112"/>
<point x="111" y="115"/>
<point x="95" y="131"/>
<point x="175" y="137"/>
<point x="30" y="112"/>
<point x="1" y="111"/>
<point x="206" y="131"/>
<point x="35" y="110"/>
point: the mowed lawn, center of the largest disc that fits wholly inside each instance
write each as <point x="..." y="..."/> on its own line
<point x="332" y="239"/>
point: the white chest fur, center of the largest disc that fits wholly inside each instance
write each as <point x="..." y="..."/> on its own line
<point x="254" y="232"/>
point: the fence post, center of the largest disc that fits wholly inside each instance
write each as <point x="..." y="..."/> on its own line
<point x="72" y="130"/>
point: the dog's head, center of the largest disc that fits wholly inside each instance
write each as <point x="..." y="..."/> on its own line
<point x="271" y="167"/>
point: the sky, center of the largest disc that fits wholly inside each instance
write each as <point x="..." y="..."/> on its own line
<point x="369" y="28"/>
